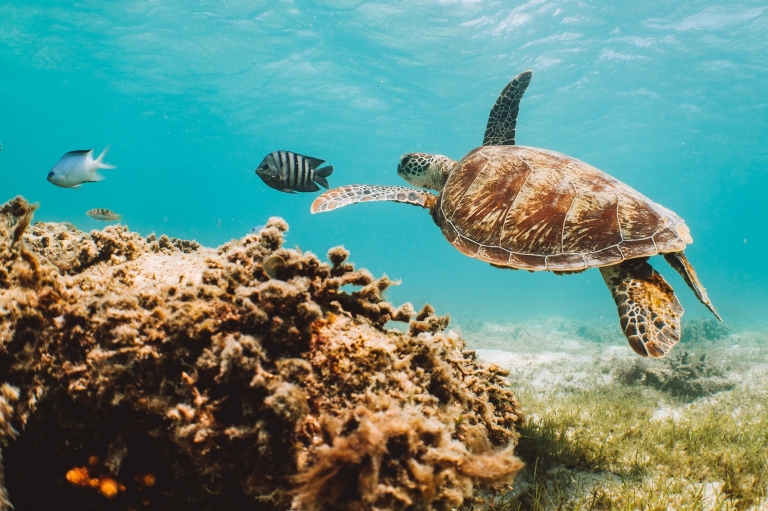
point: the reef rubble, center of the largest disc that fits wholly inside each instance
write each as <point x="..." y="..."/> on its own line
<point x="154" y="373"/>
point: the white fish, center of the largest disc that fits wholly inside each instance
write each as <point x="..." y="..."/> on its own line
<point x="78" y="167"/>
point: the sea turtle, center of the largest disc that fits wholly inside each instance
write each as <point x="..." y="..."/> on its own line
<point x="534" y="209"/>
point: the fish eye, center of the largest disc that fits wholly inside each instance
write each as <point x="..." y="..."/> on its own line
<point x="265" y="166"/>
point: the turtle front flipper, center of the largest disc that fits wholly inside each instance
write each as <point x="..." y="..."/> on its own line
<point x="352" y="194"/>
<point x="679" y="262"/>
<point x="648" y="308"/>
<point x="503" y="118"/>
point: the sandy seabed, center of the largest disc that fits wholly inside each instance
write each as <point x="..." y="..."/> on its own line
<point x="608" y="430"/>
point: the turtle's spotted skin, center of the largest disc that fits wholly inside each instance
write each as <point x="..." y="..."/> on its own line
<point x="345" y="195"/>
<point x="414" y="168"/>
<point x="534" y="209"/>
<point x="649" y="311"/>
<point x="503" y="118"/>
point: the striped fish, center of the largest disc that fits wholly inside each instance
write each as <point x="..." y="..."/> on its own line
<point x="103" y="214"/>
<point x="291" y="172"/>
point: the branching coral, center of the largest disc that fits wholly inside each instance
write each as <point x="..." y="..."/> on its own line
<point x="230" y="387"/>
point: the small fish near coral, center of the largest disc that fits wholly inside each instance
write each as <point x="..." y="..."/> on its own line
<point x="292" y="172"/>
<point x="104" y="215"/>
<point x="535" y="209"/>
<point x="256" y="228"/>
<point x="78" y="167"/>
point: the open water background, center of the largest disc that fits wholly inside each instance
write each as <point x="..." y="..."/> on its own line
<point x="670" y="97"/>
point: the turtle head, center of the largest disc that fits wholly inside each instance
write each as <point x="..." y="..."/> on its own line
<point x="429" y="171"/>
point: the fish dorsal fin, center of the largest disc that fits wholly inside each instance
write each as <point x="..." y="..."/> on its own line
<point x="503" y="119"/>
<point x="75" y="154"/>
<point x="313" y="162"/>
<point x="352" y="194"/>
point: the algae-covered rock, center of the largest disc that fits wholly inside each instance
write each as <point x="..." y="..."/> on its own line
<point x="682" y="375"/>
<point x="153" y="373"/>
<point x="700" y="330"/>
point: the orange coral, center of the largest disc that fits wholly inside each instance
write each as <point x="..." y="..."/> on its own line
<point x="105" y="485"/>
<point x="109" y="487"/>
<point x="79" y="476"/>
<point x="145" y="480"/>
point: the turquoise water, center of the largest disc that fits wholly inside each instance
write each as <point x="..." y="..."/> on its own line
<point x="669" y="98"/>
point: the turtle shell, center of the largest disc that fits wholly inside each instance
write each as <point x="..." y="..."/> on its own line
<point x="529" y="208"/>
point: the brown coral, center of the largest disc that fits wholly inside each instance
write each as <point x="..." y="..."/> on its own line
<point x="398" y="459"/>
<point x="8" y="397"/>
<point x="228" y="386"/>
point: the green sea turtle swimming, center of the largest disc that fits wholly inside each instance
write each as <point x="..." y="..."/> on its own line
<point x="534" y="209"/>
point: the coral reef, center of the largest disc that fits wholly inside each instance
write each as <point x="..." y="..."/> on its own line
<point x="153" y="373"/>
<point x="682" y="375"/>
<point x="8" y="396"/>
<point x="701" y="330"/>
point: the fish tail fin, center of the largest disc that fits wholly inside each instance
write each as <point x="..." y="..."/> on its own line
<point x="321" y="174"/>
<point x="100" y="160"/>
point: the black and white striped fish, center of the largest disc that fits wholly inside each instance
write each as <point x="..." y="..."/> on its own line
<point x="291" y="172"/>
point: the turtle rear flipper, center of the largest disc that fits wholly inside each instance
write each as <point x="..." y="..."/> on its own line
<point x="679" y="262"/>
<point x="352" y="194"/>
<point x="648" y="308"/>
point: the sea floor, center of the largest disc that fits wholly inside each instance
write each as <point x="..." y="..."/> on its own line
<point x="607" y="429"/>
